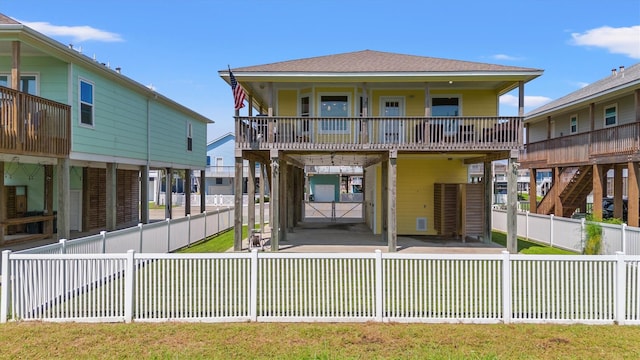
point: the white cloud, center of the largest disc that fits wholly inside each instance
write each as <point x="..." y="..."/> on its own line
<point x="77" y="33"/>
<point x="623" y="40"/>
<point x="504" y="57"/>
<point x="529" y="101"/>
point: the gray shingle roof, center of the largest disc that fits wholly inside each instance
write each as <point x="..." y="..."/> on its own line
<point x="377" y="61"/>
<point x="620" y="80"/>
<point x="7" y="20"/>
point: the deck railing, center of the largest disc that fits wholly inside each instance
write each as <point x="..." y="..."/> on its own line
<point x="31" y="125"/>
<point x="580" y="148"/>
<point x="372" y="133"/>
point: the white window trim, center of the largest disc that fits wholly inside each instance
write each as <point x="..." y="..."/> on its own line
<point x="93" y="105"/>
<point x="604" y="114"/>
<point x="349" y="112"/>
<point x="34" y="74"/>
<point x="570" y="118"/>
<point x="189" y="135"/>
<point x="310" y="96"/>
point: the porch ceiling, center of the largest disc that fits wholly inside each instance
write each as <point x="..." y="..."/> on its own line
<point x="365" y="159"/>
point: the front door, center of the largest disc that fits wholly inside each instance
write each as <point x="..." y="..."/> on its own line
<point x="391" y="129"/>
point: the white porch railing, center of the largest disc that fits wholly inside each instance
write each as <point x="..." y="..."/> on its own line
<point x="295" y="287"/>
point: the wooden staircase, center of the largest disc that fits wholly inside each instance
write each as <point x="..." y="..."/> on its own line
<point x="574" y="186"/>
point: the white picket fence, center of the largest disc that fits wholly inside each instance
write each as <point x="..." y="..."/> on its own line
<point x="293" y="287"/>
<point x="568" y="233"/>
<point x="157" y="237"/>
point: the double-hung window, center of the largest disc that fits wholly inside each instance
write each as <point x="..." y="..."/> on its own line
<point x="334" y="107"/>
<point x="573" y="124"/>
<point x="28" y="83"/>
<point x="86" y="103"/>
<point x="610" y="115"/>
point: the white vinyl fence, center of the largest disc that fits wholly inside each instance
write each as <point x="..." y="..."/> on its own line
<point x="568" y="233"/>
<point x="295" y="287"/>
<point x="157" y="237"/>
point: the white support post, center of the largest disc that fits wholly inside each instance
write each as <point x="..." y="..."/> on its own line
<point x="253" y="290"/>
<point x="583" y="234"/>
<point x="620" y="291"/>
<point x="506" y="287"/>
<point x="379" y="283"/>
<point x="103" y="234"/>
<point x="168" y="235"/>
<point x="206" y="235"/>
<point x="5" y="285"/>
<point x="128" y="287"/>
<point x="551" y="229"/>
<point x="624" y="238"/>
<point x="63" y="246"/>
<point x="140" y="237"/>
<point x="526" y="225"/>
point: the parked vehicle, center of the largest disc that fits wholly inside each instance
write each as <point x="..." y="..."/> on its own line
<point x="607" y="209"/>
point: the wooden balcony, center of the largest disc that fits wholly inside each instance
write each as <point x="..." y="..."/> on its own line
<point x="610" y="145"/>
<point x="379" y="133"/>
<point x="31" y="125"/>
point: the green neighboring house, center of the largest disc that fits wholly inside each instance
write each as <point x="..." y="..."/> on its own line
<point x="78" y="138"/>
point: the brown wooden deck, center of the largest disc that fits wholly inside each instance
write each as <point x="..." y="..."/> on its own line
<point x="31" y="125"/>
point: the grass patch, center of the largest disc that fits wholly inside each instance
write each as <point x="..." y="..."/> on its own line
<point x="528" y="247"/>
<point x="215" y="244"/>
<point x="34" y="340"/>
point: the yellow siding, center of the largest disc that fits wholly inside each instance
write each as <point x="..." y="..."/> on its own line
<point x="414" y="191"/>
<point x="288" y="103"/>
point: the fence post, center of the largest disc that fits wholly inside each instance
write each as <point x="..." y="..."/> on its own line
<point x="253" y="290"/>
<point x="63" y="246"/>
<point x="526" y="225"/>
<point x="583" y="225"/>
<point x="128" y="287"/>
<point x="229" y="218"/>
<point x="624" y="238"/>
<point x="168" y="234"/>
<point x="104" y="241"/>
<point x="551" y="230"/>
<point x="206" y="235"/>
<point x="218" y="229"/>
<point x="506" y="287"/>
<point x="621" y="291"/>
<point x="4" y="295"/>
<point x="379" y="281"/>
<point x="188" y="229"/>
<point x="141" y="232"/>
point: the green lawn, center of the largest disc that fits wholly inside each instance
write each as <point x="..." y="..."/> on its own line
<point x="215" y="244"/>
<point x="528" y="247"/>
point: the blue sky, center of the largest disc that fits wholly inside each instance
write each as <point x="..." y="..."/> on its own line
<point x="177" y="47"/>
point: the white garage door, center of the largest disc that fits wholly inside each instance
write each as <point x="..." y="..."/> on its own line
<point x="324" y="193"/>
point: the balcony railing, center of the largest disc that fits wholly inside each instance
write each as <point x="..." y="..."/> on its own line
<point x="373" y="133"/>
<point x="31" y="125"/>
<point x="581" y="148"/>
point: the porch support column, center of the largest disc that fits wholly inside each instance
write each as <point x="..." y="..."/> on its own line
<point x="427" y="100"/>
<point x="512" y="203"/>
<point x="203" y="191"/>
<point x="111" y="196"/>
<point x="633" y="192"/>
<point x="617" y="191"/>
<point x="168" y="193"/>
<point x="599" y="178"/>
<point x="291" y="196"/>
<point x="251" y="194"/>
<point x="15" y="65"/>
<point x="391" y="202"/>
<point x="487" y="180"/>
<point x="384" y="191"/>
<point x="558" y="209"/>
<point x="533" y="193"/>
<point x="3" y="202"/>
<point x="187" y="192"/>
<point x="520" y="98"/>
<point x="62" y="169"/>
<point x="262" y="180"/>
<point x="274" y="214"/>
<point x="48" y="199"/>
<point x="283" y="199"/>
<point x="237" y="203"/>
<point x="144" y="194"/>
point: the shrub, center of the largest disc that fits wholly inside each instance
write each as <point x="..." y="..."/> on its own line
<point x="593" y="236"/>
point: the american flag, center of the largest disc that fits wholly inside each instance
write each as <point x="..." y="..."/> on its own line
<point x="238" y="92"/>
